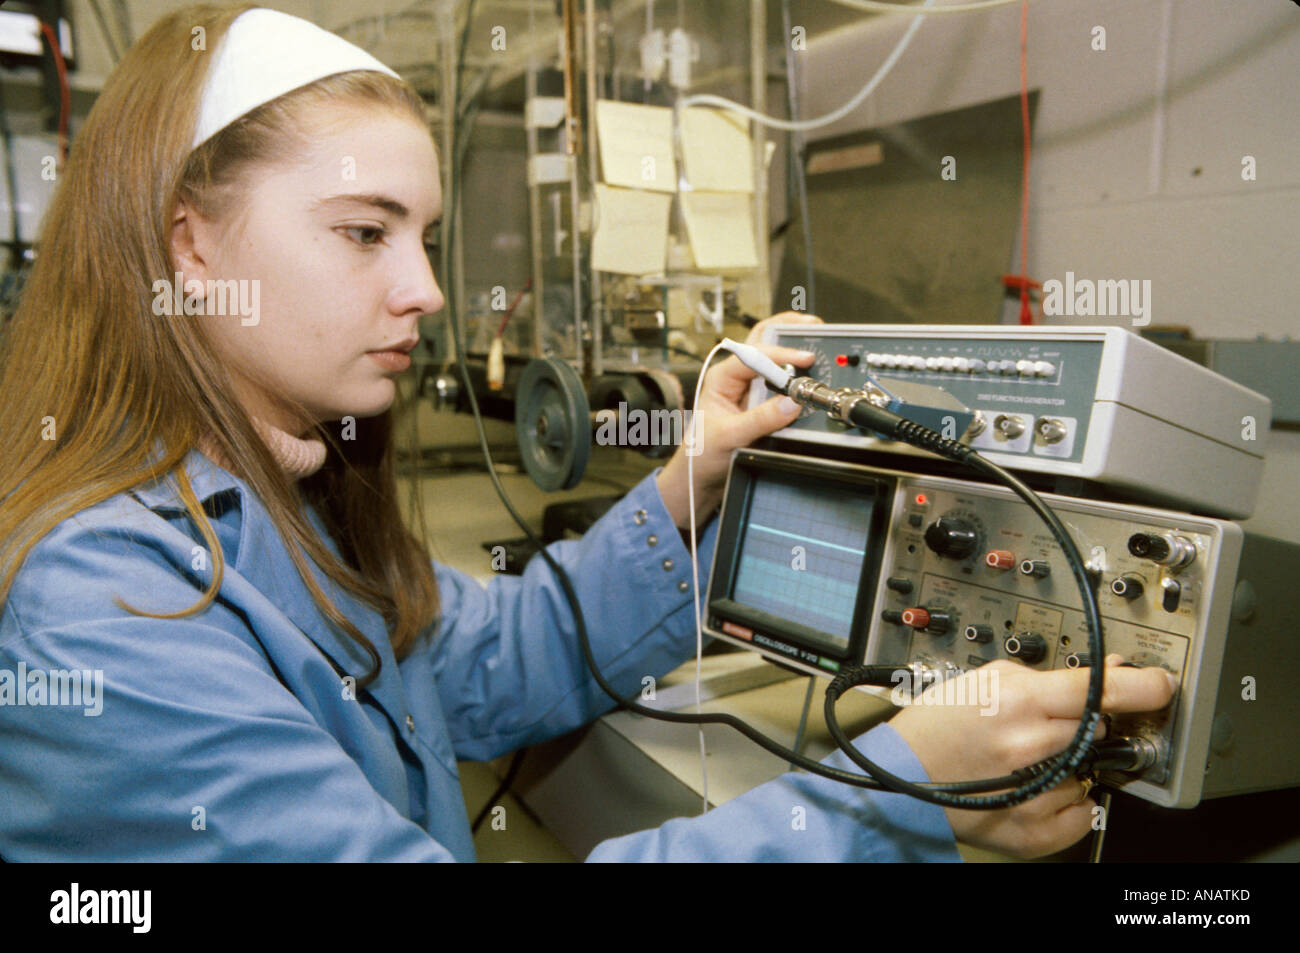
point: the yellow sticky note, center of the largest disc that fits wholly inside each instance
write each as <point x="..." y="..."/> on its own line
<point x="636" y="145"/>
<point x="631" y="231"/>
<point x="716" y="151"/>
<point x="720" y="226"/>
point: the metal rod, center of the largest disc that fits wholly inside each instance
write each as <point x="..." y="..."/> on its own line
<point x="758" y="101"/>
<point x="534" y="202"/>
<point x="591" y="26"/>
<point x="446" y="20"/>
<point x="573" y="144"/>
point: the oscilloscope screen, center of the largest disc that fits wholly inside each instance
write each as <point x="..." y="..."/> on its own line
<point x="799" y="552"/>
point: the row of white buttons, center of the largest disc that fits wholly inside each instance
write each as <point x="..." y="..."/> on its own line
<point x="963" y="365"/>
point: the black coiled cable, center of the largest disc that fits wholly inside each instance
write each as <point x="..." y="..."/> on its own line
<point x="628" y="703"/>
<point x="1038" y="778"/>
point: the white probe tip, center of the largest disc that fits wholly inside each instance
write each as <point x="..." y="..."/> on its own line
<point x="760" y="363"/>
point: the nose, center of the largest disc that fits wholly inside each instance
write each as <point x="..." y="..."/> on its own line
<point x="417" y="290"/>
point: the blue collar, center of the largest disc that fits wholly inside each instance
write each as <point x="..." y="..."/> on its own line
<point x="206" y="478"/>
<point x="263" y="563"/>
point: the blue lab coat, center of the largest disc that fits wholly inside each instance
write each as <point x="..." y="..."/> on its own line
<point x="229" y="735"/>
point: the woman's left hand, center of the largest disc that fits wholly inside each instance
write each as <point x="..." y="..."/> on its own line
<point x="723" y="424"/>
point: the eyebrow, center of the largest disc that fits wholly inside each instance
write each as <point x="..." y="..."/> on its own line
<point x="374" y="200"/>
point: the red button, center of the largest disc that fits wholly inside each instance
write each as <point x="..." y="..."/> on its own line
<point x="916" y="618"/>
<point x="841" y="359"/>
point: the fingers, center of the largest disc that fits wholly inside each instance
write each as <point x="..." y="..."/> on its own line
<point x="1058" y="818"/>
<point x="1023" y="745"/>
<point x="770" y="415"/>
<point x="732" y="372"/>
<point x="1064" y="691"/>
<point x="785" y="317"/>
<point x="1069" y="793"/>
<point x="1045" y="825"/>
<point x="1067" y="826"/>
<point x="1057" y="733"/>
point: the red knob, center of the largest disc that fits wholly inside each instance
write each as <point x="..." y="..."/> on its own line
<point x="916" y="618"/>
<point x="1000" y="559"/>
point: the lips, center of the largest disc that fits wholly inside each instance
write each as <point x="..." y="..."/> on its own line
<point x="406" y="347"/>
<point x="393" y="361"/>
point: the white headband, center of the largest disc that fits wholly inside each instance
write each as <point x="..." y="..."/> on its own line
<point x="266" y="54"/>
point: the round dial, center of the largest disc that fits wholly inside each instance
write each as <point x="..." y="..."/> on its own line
<point x="1029" y="647"/>
<point x="954" y="535"/>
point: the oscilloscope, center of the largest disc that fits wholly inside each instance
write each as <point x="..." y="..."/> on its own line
<point x="826" y="557"/>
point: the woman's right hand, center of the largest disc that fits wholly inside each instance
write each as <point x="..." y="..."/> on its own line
<point x="1023" y="716"/>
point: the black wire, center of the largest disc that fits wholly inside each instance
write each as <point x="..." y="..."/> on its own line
<point x="1027" y="783"/>
<point x="628" y="703"/>
<point x="685" y="353"/>
<point x="1046" y="774"/>
<point x="506" y="784"/>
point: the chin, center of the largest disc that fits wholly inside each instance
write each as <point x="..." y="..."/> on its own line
<point x="376" y="401"/>
<point x="369" y="403"/>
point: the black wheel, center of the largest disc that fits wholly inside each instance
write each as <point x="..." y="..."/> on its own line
<point x="552" y="423"/>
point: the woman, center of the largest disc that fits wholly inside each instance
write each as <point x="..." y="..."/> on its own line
<point x="201" y="532"/>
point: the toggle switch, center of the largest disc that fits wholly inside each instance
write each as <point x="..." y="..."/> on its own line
<point x="1171" y="592"/>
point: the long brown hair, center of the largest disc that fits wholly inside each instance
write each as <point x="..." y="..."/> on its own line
<point x="92" y="381"/>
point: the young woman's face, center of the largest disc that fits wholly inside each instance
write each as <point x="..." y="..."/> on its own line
<point x="336" y="242"/>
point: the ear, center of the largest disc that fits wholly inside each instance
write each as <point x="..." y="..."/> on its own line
<point x="190" y="241"/>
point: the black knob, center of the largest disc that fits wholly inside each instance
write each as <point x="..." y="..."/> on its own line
<point x="1149" y="546"/>
<point x="1038" y="568"/>
<point x="940" y="622"/>
<point x="899" y="584"/>
<point x="892" y="615"/>
<point x="979" y="633"/>
<point x="935" y="622"/>
<point x="1127" y="587"/>
<point x="952" y="537"/>
<point x="1026" y="646"/>
<point x="1078" y="660"/>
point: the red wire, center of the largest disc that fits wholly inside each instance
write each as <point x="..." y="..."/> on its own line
<point x="1026" y="312"/>
<point x="514" y="304"/>
<point x="65" y="93"/>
